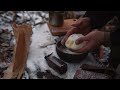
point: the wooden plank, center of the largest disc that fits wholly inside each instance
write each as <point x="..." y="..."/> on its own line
<point x="60" y="31"/>
<point x="16" y="69"/>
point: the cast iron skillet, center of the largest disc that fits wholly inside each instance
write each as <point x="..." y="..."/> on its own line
<point x="69" y="57"/>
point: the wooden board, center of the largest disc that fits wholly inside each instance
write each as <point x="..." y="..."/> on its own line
<point x="60" y="31"/>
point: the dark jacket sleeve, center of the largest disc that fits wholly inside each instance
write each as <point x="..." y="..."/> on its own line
<point x="115" y="47"/>
<point x="115" y="37"/>
<point x="100" y="18"/>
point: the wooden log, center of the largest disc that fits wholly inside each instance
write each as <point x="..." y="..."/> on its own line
<point x="22" y="34"/>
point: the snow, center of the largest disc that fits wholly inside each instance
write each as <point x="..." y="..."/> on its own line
<point x="46" y="15"/>
<point x="36" y="54"/>
<point x="41" y="35"/>
<point x="4" y="64"/>
<point x="42" y="14"/>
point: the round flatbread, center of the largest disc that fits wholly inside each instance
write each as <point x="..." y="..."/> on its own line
<point x="70" y="43"/>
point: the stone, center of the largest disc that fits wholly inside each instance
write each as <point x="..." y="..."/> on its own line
<point x="83" y="74"/>
<point x="6" y="36"/>
<point x="1" y="30"/>
<point x="5" y="45"/>
<point x="40" y="74"/>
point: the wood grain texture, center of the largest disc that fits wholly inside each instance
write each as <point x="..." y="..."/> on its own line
<point x="22" y="34"/>
<point x="60" y="31"/>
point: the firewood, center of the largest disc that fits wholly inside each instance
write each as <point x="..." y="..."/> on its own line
<point x="16" y="69"/>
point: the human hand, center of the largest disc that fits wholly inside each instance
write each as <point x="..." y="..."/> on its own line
<point x="81" y="26"/>
<point x="93" y="40"/>
<point x="84" y="25"/>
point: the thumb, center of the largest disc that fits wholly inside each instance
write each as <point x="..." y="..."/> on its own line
<point x="80" y="40"/>
<point x="75" y="25"/>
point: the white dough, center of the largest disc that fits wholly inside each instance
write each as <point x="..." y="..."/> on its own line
<point x="70" y="43"/>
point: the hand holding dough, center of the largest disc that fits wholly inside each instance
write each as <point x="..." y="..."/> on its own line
<point x="70" y="43"/>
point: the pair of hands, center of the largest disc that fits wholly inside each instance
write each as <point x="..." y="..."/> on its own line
<point x="94" y="39"/>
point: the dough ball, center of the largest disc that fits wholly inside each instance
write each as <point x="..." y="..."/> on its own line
<point x="70" y="43"/>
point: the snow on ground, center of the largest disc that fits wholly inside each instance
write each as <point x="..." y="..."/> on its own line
<point x="41" y="35"/>
<point x="36" y="55"/>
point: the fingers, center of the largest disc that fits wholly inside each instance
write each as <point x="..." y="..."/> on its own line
<point x="73" y="30"/>
<point x="82" y="39"/>
<point x="82" y="23"/>
<point x="78" y="23"/>
<point x="85" y="49"/>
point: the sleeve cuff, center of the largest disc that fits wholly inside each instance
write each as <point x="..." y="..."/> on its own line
<point x="107" y="39"/>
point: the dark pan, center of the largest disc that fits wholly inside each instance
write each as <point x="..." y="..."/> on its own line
<point x="69" y="57"/>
